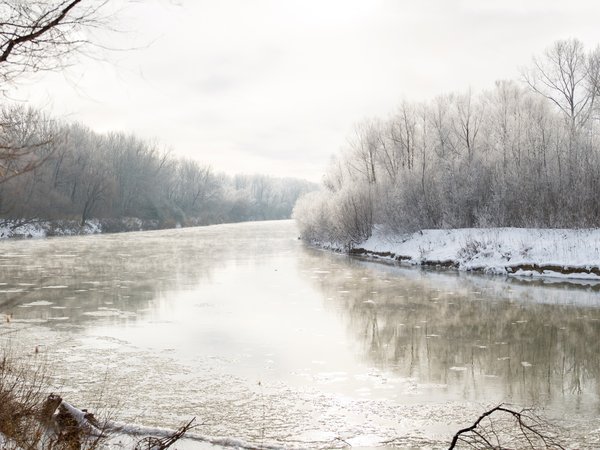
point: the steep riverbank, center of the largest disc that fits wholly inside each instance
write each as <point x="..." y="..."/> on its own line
<point x="523" y="252"/>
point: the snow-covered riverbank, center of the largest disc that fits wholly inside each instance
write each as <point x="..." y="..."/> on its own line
<point x="523" y="252"/>
<point x="35" y="228"/>
<point x="43" y="228"/>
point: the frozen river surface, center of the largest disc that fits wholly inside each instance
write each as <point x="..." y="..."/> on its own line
<point x="273" y="344"/>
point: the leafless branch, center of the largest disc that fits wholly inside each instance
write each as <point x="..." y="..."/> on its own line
<point x="528" y="429"/>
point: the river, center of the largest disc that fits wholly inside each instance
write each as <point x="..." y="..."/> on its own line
<point x="271" y="343"/>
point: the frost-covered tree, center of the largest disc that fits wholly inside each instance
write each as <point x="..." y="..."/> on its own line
<point x="520" y="154"/>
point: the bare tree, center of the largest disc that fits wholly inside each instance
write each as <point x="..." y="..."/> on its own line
<point x="402" y="133"/>
<point x="333" y="180"/>
<point x="26" y="141"/>
<point x="469" y="118"/>
<point x="390" y="154"/>
<point x="365" y="148"/>
<point x="445" y="146"/>
<point x="37" y="35"/>
<point x="562" y="75"/>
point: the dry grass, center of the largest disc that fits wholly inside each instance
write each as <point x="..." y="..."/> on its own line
<point x="32" y="419"/>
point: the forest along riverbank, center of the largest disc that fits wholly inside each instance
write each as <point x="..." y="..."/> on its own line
<point x="522" y="252"/>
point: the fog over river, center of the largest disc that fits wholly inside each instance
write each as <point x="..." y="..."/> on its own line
<point x="269" y="342"/>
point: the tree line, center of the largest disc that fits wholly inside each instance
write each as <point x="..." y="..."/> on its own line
<point x="55" y="170"/>
<point x="523" y="154"/>
<point x="61" y="170"/>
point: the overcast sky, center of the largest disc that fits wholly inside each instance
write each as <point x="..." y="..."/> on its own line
<point x="275" y="86"/>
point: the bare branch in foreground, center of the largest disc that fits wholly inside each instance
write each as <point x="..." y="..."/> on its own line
<point x="517" y="429"/>
<point x="154" y="443"/>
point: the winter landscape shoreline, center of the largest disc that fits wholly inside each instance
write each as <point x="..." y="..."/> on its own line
<point x="39" y="229"/>
<point x="568" y="254"/>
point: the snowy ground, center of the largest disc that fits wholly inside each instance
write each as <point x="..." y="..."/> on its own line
<point x="37" y="228"/>
<point x="43" y="228"/>
<point x="530" y="252"/>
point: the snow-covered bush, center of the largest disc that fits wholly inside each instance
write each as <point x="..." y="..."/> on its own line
<point x="313" y="216"/>
<point x="342" y="219"/>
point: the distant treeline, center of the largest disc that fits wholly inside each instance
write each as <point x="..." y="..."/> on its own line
<point x="524" y="154"/>
<point x="53" y="170"/>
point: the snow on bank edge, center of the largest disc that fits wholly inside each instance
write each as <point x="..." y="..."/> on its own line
<point x="523" y="252"/>
<point x="42" y="228"/>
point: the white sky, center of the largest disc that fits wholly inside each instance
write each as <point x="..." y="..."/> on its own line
<point x="275" y="86"/>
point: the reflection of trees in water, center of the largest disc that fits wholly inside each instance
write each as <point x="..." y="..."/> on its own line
<point x="124" y="272"/>
<point x="472" y="334"/>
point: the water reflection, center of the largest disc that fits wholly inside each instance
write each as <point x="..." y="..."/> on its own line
<point x="475" y="337"/>
<point x="188" y="321"/>
<point x="117" y="276"/>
